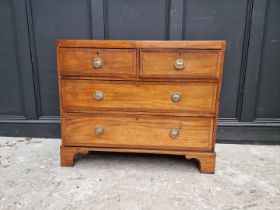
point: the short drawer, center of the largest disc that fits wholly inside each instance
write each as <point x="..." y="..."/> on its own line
<point x="192" y="98"/>
<point x="179" y="64"/>
<point x="98" y="62"/>
<point x="133" y="131"/>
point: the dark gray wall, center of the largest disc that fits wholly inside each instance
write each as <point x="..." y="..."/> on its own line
<point x="250" y="101"/>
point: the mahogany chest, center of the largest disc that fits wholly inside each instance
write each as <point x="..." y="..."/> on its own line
<point x="140" y="96"/>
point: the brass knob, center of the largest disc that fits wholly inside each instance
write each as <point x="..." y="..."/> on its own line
<point x="174" y="133"/>
<point x="176" y="97"/>
<point x="99" y="131"/>
<point x="179" y="64"/>
<point x="97" y="63"/>
<point x="98" y="95"/>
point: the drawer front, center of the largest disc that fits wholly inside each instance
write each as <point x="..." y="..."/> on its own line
<point x="98" y="62"/>
<point x="179" y="64"/>
<point x="137" y="131"/>
<point x="85" y="95"/>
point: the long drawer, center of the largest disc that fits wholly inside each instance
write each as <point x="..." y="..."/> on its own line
<point x="137" y="131"/>
<point x="86" y="95"/>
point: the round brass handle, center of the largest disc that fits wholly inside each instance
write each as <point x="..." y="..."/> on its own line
<point x="98" y="95"/>
<point x="176" y="97"/>
<point x="179" y="64"/>
<point x="97" y="63"/>
<point x="99" y="131"/>
<point x="174" y="133"/>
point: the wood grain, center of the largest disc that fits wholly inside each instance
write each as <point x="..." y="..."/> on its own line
<point x="141" y="96"/>
<point x="217" y="105"/>
<point x="124" y="44"/>
<point x="160" y="63"/>
<point x="116" y="62"/>
<point x="137" y="113"/>
<point x="206" y="160"/>
<point x="134" y="131"/>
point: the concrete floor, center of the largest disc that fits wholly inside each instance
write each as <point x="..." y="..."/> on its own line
<point x="247" y="177"/>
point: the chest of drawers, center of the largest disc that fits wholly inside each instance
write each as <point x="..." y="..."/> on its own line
<point x="157" y="97"/>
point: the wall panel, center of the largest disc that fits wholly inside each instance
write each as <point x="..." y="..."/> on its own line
<point x="250" y="102"/>
<point x="220" y="20"/>
<point x="139" y="20"/>
<point x="11" y="103"/>
<point x="51" y="20"/>
<point x="268" y="93"/>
